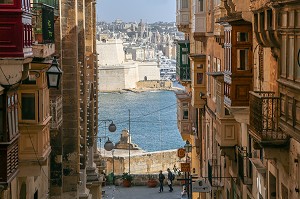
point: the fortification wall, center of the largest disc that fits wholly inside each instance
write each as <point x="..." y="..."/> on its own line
<point x="118" y="78"/>
<point x="154" y="84"/>
<point x="146" y="163"/>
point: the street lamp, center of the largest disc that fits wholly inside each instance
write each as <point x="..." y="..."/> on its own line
<point x="112" y="127"/>
<point x="188" y="149"/>
<point x="188" y="146"/>
<point x="53" y="74"/>
<point x="108" y="146"/>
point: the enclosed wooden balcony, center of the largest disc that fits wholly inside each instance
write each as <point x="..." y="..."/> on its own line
<point x="238" y="67"/>
<point x="198" y="26"/>
<point x="52" y="3"/>
<point x="43" y="23"/>
<point x="198" y="80"/>
<point x="34" y="143"/>
<point x="15" y="29"/>
<point x="185" y="115"/>
<point x="183" y="70"/>
<point x="264" y="119"/>
<point x="183" y="15"/>
<point x="56" y="112"/>
<point x="9" y="161"/>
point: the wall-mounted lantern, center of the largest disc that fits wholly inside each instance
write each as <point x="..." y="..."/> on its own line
<point x="53" y="74"/>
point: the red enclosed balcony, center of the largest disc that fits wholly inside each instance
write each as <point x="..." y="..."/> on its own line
<point x="15" y="29"/>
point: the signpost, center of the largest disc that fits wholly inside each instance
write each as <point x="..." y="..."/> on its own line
<point x="181" y="152"/>
<point x="201" y="186"/>
<point x="185" y="167"/>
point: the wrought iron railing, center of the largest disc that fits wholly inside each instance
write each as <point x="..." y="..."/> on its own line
<point x="56" y="112"/>
<point x="244" y="166"/>
<point x="214" y="173"/>
<point x="264" y="116"/>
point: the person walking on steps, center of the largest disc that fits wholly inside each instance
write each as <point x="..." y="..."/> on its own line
<point x="170" y="179"/>
<point x="161" y="178"/>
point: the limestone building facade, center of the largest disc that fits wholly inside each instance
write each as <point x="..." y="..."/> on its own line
<point x="240" y="64"/>
<point x="47" y="136"/>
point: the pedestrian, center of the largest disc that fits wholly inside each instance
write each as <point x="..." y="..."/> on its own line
<point x="161" y="178"/>
<point x="170" y="179"/>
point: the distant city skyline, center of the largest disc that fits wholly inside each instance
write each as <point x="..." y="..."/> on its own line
<point x="133" y="10"/>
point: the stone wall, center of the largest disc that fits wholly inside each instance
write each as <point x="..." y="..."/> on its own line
<point x="154" y="84"/>
<point x="148" y="70"/>
<point x="118" y="77"/>
<point x="142" y="179"/>
<point x="146" y="163"/>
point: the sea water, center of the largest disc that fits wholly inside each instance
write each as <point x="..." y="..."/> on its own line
<point x="152" y="118"/>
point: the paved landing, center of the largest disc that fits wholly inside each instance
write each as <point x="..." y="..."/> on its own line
<point x="140" y="192"/>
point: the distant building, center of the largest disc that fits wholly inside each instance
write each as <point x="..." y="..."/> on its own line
<point x="117" y="71"/>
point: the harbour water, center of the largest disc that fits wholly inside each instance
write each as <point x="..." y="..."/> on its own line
<point x="153" y="118"/>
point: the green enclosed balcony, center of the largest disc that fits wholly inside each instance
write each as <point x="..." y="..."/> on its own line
<point x="43" y="23"/>
<point x="183" y="70"/>
<point x="51" y="3"/>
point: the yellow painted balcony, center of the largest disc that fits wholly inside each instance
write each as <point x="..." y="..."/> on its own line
<point x="183" y="15"/>
<point x="34" y="142"/>
<point x="198" y="81"/>
<point x="185" y="115"/>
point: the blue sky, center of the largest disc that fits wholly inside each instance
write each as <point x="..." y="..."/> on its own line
<point x="134" y="10"/>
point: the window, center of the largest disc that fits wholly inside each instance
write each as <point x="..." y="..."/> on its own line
<point x="215" y="65"/>
<point x="12" y="114"/>
<point x="184" y="4"/>
<point x="28" y="106"/>
<point x="269" y="18"/>
<point x="242" y="37"/>
<point x="201" y="5"/>
<point x="199" y="78"/>
<point x="200" y="66"/>
<point x="261" y="63"/>
<point x="218" y="65"/>
<point x="208" y="70"/>
<point x="184" y="59"/>
<point x="242" y="59"/>
<point x="185" y="114"/>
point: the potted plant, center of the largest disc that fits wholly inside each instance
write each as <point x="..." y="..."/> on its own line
<point x="152" y="181"/>
<point x="127" y="179"/>
<point x="38" y="35"/>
